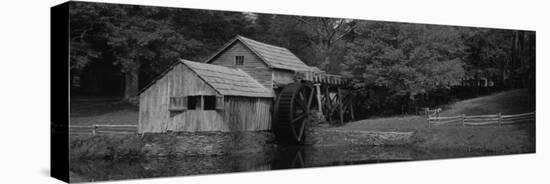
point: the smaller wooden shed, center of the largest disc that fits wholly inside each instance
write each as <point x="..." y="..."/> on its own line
<point x="194" y="96"/>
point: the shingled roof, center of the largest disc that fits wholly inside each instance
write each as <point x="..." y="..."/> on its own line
<point x="273" y="56"/>
<point x="228" y="81"/>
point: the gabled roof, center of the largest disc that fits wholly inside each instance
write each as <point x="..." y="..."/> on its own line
<point x="273" y="56"/>
<point x="228" y="81"/>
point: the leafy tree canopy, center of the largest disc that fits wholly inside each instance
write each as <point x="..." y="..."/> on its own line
<point x="408" y="59"/>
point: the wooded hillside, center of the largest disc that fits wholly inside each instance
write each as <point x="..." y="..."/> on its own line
<point x="118" y="49"/>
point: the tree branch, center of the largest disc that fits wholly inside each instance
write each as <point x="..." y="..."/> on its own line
<point x="345" y="33"/>
<point x="335" y="31"/>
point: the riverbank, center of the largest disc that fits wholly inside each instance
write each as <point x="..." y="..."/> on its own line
<point x="211" y="144"/>
<point x="509" y="139"/>
<point x="403" y="138"/>
<point x="115" y="157"/>
<point x="280" y="157"/>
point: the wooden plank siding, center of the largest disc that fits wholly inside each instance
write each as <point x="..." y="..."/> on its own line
<point x="242" y="113"/>
<point x="238" y="114"/>
<point x="154" y="103"/>
<point x="253" y="65"/>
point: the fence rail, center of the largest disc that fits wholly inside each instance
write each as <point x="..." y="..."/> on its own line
<point x="479" y="120"/>
<point x="106" y="129"/>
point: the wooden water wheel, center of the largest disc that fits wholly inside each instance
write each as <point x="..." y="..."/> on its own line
<point x="293" y="112"/>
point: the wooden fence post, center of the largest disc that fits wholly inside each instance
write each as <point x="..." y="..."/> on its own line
<point x="429" y="119"/>
<point x="499" y="119"/>
<point x="463" y="119"/>
<point x="427" y="112"/>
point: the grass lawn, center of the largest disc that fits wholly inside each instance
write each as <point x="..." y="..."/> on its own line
<point x="507" y="102"/>
<point x="503" y="139"/>
<point x="87" y="111"/>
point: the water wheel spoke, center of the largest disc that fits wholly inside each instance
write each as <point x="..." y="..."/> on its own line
<point x="302" y="116"/>
<point x="297" y="130"/>
<point x="310" y="99"/>
<point x="301" y="103"/>
<point x="302" y="126"/>
<point x="301" y="95"/>
<point x="298" y="161"/>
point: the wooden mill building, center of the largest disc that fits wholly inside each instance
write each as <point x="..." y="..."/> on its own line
<point x="233" y="90"/>
<point x="270" y="65"/>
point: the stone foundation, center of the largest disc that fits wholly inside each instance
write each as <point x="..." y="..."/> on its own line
<point x="169" y="144"/>
<point x="207" y="143"/>
<point x="334" y="137"/>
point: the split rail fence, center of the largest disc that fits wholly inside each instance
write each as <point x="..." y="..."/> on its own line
<point x="479" y="120"/>
<point x="103" y="129"/>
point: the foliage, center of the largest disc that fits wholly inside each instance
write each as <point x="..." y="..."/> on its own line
<point x="318" y="41"/>
<point x="505" y="56"/>
<point x="395" y="66"/>
<point x="144" y="39"/>
<point x="407" y="59"/>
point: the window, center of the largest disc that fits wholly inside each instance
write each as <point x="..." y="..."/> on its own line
<point x="194" y="102"/>
<point x="239" y="60"/>
<point x="209" y="102"/>
<point x="180" y="104"/>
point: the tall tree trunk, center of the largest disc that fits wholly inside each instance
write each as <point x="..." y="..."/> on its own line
<point x="324" y="50"/>
<point x="131" y="79"/>
<point x="326" y="62"/>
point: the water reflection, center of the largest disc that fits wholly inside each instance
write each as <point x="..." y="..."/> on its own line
<point x="282" y="157"/>
<point x="288" y="157"/>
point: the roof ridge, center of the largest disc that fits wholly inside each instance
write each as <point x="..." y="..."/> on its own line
<point x="249" y="39"/>
<point x="208" y="64"/>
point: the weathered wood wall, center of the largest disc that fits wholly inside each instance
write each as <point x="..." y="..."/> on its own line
<point x="253" y="65"/>
<point x="239" y="113"/>
<point x="154" y="115"/>
<point x="283" y="77"/>
<point x="242" y="113"/>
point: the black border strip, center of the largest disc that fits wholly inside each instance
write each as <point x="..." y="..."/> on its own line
<point x="59" y="91"/>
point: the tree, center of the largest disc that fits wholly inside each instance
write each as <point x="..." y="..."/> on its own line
<point x="145" y="40"/>
<point x="318" y="41"/>
<point x="405" y="59"/>
<point x="506" y="56"/>
<point x="132" y="35"/>
<point x="136" y="33"/>
<point x="325" y="35"/>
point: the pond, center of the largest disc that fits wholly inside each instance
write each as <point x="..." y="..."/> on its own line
<point x="281" y="157"/>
